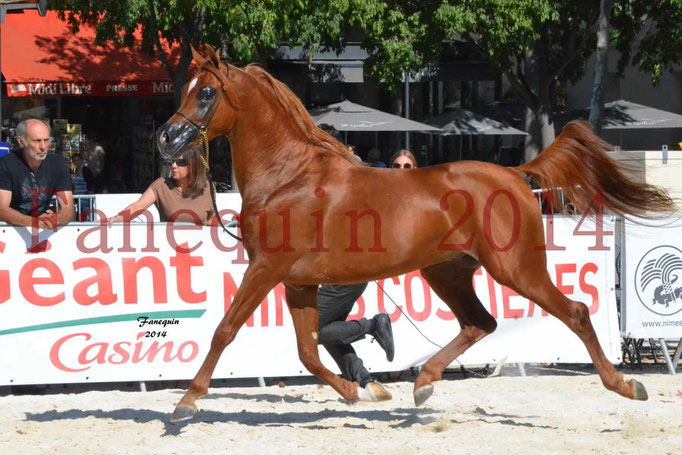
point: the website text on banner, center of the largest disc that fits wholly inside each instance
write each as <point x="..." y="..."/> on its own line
<point x="97" y="304"/>
<point x="652" y="297"/>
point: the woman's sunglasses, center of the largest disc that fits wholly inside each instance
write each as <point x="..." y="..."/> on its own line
<point x="181" y="162"/>
<point x="404" y="166"/>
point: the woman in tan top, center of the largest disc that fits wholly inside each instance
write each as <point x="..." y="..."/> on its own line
<point x="185" y="197"/>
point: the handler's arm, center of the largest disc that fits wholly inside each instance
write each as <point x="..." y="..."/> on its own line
<point x="145" y="201"/>
<point x="8" y="214"/>
<point x="66" y="207"/>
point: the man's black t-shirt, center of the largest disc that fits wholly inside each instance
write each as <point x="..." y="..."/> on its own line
<point x="33" y="191"/>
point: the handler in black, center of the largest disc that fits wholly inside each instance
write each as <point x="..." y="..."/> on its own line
<point x="30" y="177"/>
<point x="334" y="304"/>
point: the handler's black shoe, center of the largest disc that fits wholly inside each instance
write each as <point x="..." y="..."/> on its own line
<point x="383" y="333"/>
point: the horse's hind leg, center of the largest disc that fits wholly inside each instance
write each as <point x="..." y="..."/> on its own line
<point x="255" y="286"/>
<point x="302" y="302"/>
<point x="452" y="281"/>
<point x="539" y="288"/>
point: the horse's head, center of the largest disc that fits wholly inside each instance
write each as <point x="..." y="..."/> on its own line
<point x="203" y="106"/>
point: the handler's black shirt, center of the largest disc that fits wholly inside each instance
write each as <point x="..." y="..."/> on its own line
<point x="32" y="191"/>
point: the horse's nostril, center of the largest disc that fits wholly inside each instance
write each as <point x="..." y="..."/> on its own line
<point x="164" y="137"/>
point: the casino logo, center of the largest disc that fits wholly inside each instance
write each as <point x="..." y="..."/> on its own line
<point x="655" y="278"/>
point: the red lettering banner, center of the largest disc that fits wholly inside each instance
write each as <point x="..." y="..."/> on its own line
<point x="99" y="88"/>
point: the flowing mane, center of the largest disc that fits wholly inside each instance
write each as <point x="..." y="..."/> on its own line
<point x="298" y="113"/>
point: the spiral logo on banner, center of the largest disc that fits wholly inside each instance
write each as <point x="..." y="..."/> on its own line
<point x="657" y="280"/>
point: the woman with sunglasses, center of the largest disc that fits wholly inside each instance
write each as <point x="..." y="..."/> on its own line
<point x="184" y="197"/>
<point x="403" y="159"/>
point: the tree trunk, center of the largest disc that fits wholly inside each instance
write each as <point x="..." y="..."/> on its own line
<point x="597" y="100"/>
<point x="540" y="129"/>
<point x="539" y="97"/>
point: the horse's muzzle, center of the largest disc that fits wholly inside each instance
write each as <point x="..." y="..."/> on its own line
<point x="175" y="138"/>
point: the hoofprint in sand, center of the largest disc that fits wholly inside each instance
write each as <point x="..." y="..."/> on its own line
<point x="509" y="415"/>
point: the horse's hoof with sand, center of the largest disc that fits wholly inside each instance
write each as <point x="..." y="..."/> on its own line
<point x="373" y="391"/>
<point x="183" y="412"/>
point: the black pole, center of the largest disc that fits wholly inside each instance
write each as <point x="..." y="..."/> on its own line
<point x="2" y="19"/>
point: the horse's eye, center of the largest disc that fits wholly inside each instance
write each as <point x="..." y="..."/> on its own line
<point x="206" y="93"/>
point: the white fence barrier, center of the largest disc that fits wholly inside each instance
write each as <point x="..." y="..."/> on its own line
<point x="72" y="308"/>
<point x="652" y="288"/>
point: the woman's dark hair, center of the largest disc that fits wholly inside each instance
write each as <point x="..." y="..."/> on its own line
<point x="196" y="174"/>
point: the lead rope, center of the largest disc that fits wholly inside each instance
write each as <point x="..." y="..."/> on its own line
<point x="422" y="333"/>
<point x="203" y="136"/>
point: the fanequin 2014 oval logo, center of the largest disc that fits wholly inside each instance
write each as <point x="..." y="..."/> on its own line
<point x="657" y="280"/>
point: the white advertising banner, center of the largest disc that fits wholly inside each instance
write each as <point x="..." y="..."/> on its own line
<point x="95" y="304"/>
<point x="652" y="291"/>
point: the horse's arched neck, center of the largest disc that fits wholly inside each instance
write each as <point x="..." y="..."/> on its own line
<point x="261" y="142"/>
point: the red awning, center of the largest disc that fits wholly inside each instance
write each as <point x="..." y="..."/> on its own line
<point x="42" y="57"/>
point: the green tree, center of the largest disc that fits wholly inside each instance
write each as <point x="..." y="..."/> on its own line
<point x="539" y="46"/>
<point x="245" y="31"/>
<point x="601" y="64"/>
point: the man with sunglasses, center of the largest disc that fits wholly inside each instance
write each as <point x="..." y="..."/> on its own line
<point x="31" y="177"/>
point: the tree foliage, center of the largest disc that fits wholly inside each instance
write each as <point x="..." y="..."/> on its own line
<point x="245" y="31"/>
<point x="538" y="45"/>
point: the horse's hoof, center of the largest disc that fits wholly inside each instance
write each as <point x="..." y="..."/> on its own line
<point x="374" y="392"/>
<point x="640" y="391"/>
<point x="422" y="394"/>
<point x="183" y="412"/>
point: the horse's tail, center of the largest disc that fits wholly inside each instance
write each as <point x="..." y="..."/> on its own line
<point x="577" y="163"/>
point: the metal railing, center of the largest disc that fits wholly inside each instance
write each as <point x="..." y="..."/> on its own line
<point x="538" y="192"/>
<point x="83" y="204"/>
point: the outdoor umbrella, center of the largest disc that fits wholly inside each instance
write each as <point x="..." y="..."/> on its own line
<point x="463" y="122"/>
<point x="347" y="116"/>
<point x="623" y="114"/>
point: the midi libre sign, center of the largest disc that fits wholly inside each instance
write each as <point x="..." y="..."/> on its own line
<point x="141" y="302"/>
<point x="100" y="88"/>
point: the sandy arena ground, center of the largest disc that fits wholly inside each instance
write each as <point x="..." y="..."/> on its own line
<point x="502" y="415"/>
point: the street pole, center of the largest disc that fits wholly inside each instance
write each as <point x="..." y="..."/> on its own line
<point x="2" y="19"/>
<point x="407" y="108"/>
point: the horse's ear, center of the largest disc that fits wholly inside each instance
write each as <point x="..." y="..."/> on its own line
<point x="213" y="56"/>
<point x="197" y="56"/>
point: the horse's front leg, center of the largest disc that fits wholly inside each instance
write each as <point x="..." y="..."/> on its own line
<point x="302" y="302"/>
<point x="257" y="282"/>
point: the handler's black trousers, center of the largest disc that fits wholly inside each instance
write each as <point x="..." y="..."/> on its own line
<point x="334" y="304"/>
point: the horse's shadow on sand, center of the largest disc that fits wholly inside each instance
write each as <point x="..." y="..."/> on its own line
<point x="398" y="418"/>
<point x="403" y="418"/>
<point x="267" y="397"/>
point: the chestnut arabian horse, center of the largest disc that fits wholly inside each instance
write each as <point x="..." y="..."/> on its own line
<point x="311" y="214"/>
